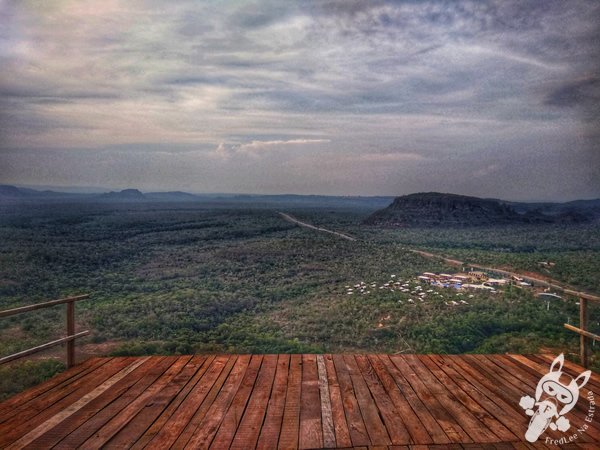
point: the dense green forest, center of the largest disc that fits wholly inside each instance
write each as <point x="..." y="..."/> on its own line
<point x="181" y="278"/>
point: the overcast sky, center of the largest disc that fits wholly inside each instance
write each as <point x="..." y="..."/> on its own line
<point x="493" y="99"/>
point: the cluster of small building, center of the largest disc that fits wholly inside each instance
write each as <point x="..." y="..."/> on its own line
<point x="418" y="292"/>
<point x="463" y="280"/>
<point x="413" y="288"/>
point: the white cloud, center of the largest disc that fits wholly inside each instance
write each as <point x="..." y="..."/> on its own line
<point x="259" y="148"/>
<point x="255" y="146"/>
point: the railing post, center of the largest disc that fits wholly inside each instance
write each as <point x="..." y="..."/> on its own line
<point x="584" y="341"/>
<point x="70" y="332"/>
<point x="69" y="339"/>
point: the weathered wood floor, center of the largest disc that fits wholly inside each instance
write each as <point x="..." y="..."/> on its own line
<point x="288" y="401"/>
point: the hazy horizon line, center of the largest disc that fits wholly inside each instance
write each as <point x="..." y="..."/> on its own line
<point x="103" y="190"/>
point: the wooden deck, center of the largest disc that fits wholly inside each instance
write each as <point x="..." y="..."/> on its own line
<point x="288" y="401"/>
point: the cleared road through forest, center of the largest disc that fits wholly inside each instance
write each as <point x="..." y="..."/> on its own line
<point x="312" y="227"/>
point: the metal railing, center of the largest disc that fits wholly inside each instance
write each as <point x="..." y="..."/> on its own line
<point x="69" y="338"/>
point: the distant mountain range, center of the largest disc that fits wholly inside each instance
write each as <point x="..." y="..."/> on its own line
<point x="13" y="194"/>
<point x="430" y="209"/>
<point x="434" y="209"/>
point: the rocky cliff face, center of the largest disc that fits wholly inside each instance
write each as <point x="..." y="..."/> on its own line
<point x="434" y="209"/>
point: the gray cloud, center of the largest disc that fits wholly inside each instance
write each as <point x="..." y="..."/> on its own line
<point x="585" y="91"/>
<point x="344" y="97"/>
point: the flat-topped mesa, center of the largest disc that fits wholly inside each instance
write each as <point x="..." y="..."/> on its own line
<point x="124" y="195"/>
<point x="434" y="209"/>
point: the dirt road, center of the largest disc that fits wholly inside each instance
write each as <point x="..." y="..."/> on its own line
<point x="312" y="227"/>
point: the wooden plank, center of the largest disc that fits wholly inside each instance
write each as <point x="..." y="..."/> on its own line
<point x="269" y="434"/>
<point x="356" y="425"/>
<point x="77" y="419"/>
<point x="311" y="430"/>
<point x="176" y="424"/>
<point x="326" y="413"/>
<point x="494" y="390"/>
<point x="449" y="400"/>
<point x="392" y="419"/>
<point x="248" y="431"/>
<point x="53" y="395"/>
<point x="44" y="427"/>
<point x="204" y="412"/>
<point x="504" y="367"/>
<point x="370" y="414"/>
<point x="113" y="426"/>
<point x="507" y="378"/>
<point x="475" y="403"/>
<point x="143" y="379"/>
<point x="27" y="418"/>
<point x="511" y="387"/>
<point x="222" y="385"/>
<point x="290" y="425"/>
<point x="234" y="414"/>
<point x="479" y="378"/>
<point x="448" y="423"/>
<point x="155" y="405"/>
<point x="408" y="405"/>
<point x="340" y="426"/>
<point x="202" y="366"/>
<point x="481" y="395"/>
<point x="442" y="432"/>
<point x="21" y="399"/>
<point x="508" y="387"/>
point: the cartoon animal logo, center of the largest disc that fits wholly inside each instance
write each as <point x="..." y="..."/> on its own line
<point x="555" y="395"/>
